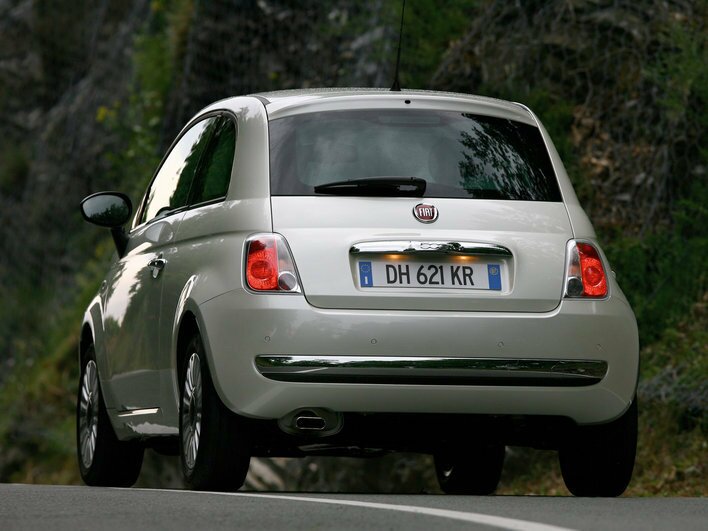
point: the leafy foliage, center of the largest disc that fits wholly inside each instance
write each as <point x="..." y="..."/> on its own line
<point x="428" y="30"/>
<point x="663" y="274"/>
<point x="38" y="396"/>
<point x="14" y="168"/>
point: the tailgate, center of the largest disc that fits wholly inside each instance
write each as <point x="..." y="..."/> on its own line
<point x="372" y="253"/>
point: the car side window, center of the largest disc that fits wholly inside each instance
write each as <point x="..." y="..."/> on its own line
<point x="214" y="175"/>
<point x="171" y="186"/>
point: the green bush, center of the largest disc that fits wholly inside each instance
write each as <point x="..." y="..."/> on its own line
<point x="14" y="168"/>
<point x="664" y="273"/>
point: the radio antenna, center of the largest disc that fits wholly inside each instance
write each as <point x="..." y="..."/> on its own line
<point x="396" y="87"/>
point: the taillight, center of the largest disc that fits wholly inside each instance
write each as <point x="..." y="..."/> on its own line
<point x="585" y="274"/>
<point x="269" y="265"/>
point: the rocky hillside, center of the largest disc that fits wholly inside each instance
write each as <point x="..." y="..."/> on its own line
<point x="630" y="78"/>
<point x="59" y="62"/>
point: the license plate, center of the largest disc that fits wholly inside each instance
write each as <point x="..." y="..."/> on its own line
<point x="449" y="275"/>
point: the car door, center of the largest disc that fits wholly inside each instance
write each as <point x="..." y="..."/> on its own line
<point x="196" y="250"/>
<point x="133" y="289"/>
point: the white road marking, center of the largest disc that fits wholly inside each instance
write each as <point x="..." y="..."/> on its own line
<point x="462" y="516"/>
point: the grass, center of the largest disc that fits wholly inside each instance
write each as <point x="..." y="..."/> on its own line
<point x="670" y="461"/>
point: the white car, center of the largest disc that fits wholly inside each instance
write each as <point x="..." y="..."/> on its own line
<point x="347" y="272"/>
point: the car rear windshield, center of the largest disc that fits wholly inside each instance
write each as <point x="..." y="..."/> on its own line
<point x="459" y="155"/>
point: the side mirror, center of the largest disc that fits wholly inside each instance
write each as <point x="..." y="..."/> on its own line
<point x="107" y="209"/>
<point x="112" y="210"/>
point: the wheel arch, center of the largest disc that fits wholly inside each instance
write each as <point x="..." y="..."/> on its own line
<point x="189" y="322"/>
<point x="85" y="340"/>
<point x="91" y="328"/>
<point x="188" y="326"/>
<point x="92" y="334"/>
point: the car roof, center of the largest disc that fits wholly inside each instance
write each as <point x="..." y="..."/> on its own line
<point x="282" y="103"/>
<point x="289" y="102"/>
<point x="299" y="95"/>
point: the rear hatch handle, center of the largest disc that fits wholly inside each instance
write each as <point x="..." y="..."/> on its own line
<point x="432" y="247"/>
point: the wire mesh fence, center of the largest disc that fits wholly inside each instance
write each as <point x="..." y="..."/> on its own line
<point x="92" y="92"/>
<point x="632" y="79"/>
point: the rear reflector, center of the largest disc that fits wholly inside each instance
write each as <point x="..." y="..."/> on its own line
<point x="269" y="265"/>
<point x="585" y="273"/>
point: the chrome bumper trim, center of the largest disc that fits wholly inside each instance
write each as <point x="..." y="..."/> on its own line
<point x="431" y="370"/>
<point x="430" y="247"/>
<point x="138" y="412"/>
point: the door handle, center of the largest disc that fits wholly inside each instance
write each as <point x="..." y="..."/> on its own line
<point x="156" y="265"/>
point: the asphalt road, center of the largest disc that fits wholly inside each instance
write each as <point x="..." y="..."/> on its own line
<point x="51" y="507"/>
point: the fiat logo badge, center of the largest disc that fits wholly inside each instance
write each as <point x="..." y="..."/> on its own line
<point x="425" y="213"/>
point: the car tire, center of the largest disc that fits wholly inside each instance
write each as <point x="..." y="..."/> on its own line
<point x="104" y="460"/>
<point x="476" y="471"/>
<point x="599" y="460"/>
<point x="214" y="450"/>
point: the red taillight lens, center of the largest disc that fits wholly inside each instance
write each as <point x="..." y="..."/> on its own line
<point x="269" y="266"/>
<point x="585" y="274"/>
<point x="592" y="272"/>
<point x="262" y="264"/>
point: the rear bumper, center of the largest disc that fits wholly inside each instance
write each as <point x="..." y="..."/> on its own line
<point x="579" y="361"/>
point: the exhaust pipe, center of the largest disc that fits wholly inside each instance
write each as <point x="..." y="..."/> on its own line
<point x="313" y="422"/>
<point x="309" y="421"/>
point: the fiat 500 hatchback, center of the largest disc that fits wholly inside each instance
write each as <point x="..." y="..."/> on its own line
<point x="350" y="272"/>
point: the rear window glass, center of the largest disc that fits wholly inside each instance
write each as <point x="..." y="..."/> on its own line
<point x="459" y="155"/>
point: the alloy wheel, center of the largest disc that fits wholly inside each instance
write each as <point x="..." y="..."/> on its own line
<point x="192" y="411"/>
<point x="88" y="414"/>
